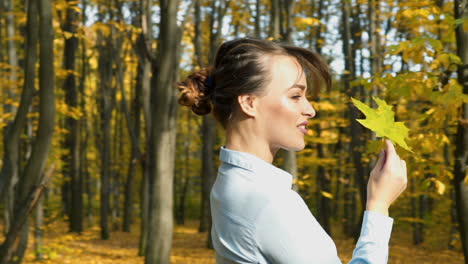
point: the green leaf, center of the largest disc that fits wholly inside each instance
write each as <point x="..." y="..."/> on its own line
<point x="382" y="122"/>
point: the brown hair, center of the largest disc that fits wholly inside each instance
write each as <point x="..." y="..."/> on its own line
<point x="238" y="69"/>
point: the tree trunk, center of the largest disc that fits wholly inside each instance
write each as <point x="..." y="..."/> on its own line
<point x="324" y="185"/>
<point x="72" y="139"/>
<point x="461" y="141"/>
<point x="208" y="172"/>
<point x="134" y="125"/>
<point x="289" y="12"/>
<point x="184" y="175"/>
<point x="84" y="127"/>
<point x="145" y="38"/>
<point x="275" y="19"/>
<point x="10" y="162"/>
<point x="145" y="192"/>
<point x="356" y="130"/>
<point x="38" y="231"/>
<point x="286" y="14"/>
<point x="105" y="71"/>
<point x="31" y="185"/>
<point x="134" y="132"/>
<point x="162" y="140"/>
<point x="417" y="226"/>
<point x="258" y="15"/>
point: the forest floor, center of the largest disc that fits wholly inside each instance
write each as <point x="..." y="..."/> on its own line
<point x="61" y="247"/>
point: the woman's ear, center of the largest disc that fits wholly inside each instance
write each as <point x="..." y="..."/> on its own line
<point x="248" y="104"/>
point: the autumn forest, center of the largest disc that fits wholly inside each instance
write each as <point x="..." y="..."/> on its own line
<point x="99" y="163"/>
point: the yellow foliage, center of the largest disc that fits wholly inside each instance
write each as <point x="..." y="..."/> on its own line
<point x="410" y="13"/>
<point x="326" y="194"/>
<point x="104" y="29"/>
<point x="411" y="219"/>
<point x="67" y="110"/>
<point x="440" y="187"/>
<point x="308" y="21"/>
<point x="325" y="106"/>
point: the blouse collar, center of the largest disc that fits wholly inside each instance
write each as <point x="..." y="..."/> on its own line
<point x="265" y="172"/>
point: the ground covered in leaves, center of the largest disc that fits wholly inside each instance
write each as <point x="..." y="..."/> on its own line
<point x="188" y="248"/>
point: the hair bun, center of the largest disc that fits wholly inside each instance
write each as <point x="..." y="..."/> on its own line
<point x="195" y="92"/>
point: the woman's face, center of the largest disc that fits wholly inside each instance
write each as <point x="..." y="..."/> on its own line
<point x="285" y="106"/>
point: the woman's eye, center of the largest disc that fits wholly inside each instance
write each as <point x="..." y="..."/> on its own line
<point x="296" y="97"/>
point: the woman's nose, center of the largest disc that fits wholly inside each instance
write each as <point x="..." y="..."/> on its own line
<point x="309" y="110"/>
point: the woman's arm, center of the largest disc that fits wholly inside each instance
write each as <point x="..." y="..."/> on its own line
<point x="287" y="232"/>
<point x="372" y="246"/>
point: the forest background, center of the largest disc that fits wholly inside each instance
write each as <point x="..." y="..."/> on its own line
<point x="99" y="163"/>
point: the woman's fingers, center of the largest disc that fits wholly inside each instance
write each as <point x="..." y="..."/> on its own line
<point x="380" y="161"/>
<point x="390" y="148"/>
<point x="392" y="155"/>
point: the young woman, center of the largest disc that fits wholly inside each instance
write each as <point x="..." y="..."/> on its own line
<point x="257" y="91"/>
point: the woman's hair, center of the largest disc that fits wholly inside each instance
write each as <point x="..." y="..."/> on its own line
<point x="240" y="67"/>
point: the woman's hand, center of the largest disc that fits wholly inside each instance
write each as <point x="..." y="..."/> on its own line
<point x="387" y="180"/>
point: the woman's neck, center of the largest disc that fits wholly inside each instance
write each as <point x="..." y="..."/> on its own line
<point x="243" y="139"/>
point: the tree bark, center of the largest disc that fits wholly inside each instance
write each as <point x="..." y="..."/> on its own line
<point x="72" y="139"/>
<point x="38" y="231"/>
<point x="162" y="140"/>
<point x="208" y="172"/>
<point x="289" y="13"/>
<point x="144" y="58"/>
<point x="324" y="185"/>
<point x="31" y="183"/>
<point x="10" y="162"/>
<point x="461" y="141"/>
<point x="275" y="19"/>
<point x="105" y="71"/>
<point x="285" y="13"/>
<point x="257" y="19"/>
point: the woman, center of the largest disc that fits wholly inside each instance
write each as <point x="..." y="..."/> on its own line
<point x="257" y="90"/>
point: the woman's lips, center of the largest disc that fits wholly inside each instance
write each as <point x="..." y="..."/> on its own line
<point x="303" y="129"/>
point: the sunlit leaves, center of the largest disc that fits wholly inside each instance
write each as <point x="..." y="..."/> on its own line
<point x="462" y="21"/>
<point x="326" y="194"/>
<point x="451" y="96"/>
<point x="417" y="49"/>
<point x="436" y="184"/>
<point x="303" y="22"/>
<point x="445" y="61"/>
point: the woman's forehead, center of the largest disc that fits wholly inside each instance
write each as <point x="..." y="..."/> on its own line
<point x="286" y="70"/>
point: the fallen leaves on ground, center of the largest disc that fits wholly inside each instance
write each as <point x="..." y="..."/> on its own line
<point x="61" y="247"/>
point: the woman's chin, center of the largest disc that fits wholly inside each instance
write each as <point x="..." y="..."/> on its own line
<point x="297" y="147"/>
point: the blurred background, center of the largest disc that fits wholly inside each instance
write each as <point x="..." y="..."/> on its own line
<point x="100" y="164"/>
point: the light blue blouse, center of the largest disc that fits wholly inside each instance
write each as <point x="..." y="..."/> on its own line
<point x="258" y="218"/>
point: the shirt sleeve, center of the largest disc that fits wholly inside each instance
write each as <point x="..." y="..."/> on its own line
<point x="372" y="245"/>
<point x="287" y="232"/>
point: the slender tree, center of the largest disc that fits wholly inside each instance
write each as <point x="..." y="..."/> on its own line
<point x="72" y="123"/>
<point x="31" y="183"/>
<point x="106" y="106"/>
<point x="144" y="54"/>
<point x="208" y="172"/>
<point x="461" y="143"/>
